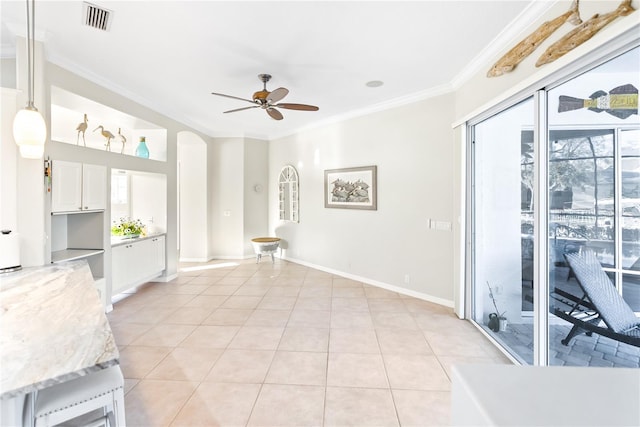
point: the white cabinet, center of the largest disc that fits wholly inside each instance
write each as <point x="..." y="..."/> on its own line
<point x="157" y="251"/>
<point x="94" y="187"/>
<point x="78" y="201"/>
<point x="66" y="186"/>
<point x="80" y="236"/>
<point x="122" y="265"/>
<point x="78" y="187"/>
<point x="136" y="262"/>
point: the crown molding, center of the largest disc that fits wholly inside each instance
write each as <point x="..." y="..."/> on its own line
<point x="375" y="108"/>
<point x="126" y="93"/>
<point x="504" y="40"/>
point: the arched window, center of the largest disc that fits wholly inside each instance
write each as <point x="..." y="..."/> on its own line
<point x="288" y="194"/>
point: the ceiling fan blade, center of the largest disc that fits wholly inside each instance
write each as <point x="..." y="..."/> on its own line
<point x="233" y="97"/>
<point x="277" y="94"/>
<point x="275" y="114"/>
<point x="303" y="107"/>
<point x="240" y="109"/>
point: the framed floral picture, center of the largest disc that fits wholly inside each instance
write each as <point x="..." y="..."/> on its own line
<point x="351" y="188"/>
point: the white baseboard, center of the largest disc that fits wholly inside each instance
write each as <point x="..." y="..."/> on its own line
<point x="387" y="286"/>
<point x="165" y="278"/>
<point x="231" y="257"/>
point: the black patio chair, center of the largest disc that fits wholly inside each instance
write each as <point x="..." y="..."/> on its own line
<point x="601" y="309"/>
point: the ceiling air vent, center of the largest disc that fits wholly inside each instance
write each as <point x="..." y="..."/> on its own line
<point x="96" y="17"/>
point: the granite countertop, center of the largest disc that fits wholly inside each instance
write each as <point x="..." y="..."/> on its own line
<point x="119" y="241"/>
<point x="52" y="328"/>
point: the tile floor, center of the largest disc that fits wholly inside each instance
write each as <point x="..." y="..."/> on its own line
<point x="246" y="344"/>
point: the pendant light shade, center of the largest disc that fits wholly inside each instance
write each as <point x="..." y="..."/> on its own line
<point x="30" y="132"/>
<point x="29" y="128"/>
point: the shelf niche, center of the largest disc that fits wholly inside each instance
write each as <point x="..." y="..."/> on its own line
<point x="68" y="110"/>
<point x="79" y="236"/>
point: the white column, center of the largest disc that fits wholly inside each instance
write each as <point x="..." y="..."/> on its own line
<point x="31" y="191"/>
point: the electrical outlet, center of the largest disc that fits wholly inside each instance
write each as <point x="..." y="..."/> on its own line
<point x="439" y="225"/>
<point x="407" y="279"/>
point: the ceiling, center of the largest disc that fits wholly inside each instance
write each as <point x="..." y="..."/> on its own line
<point x="170" y="55"/>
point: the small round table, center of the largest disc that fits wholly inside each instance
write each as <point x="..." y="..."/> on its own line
<point x="265" y="246"/>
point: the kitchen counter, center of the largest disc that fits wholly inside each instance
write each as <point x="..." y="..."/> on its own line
<point x="119" y="241"/>
<point x="52" y="328"/>
<point x="506" y="395"/>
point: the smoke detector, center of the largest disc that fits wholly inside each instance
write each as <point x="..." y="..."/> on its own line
<point x="96" y="17"/>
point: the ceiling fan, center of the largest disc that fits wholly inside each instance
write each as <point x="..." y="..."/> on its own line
<point x="268" y="100"/>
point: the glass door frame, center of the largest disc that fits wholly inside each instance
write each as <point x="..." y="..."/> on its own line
<point x="538" y="90"/>
<point x="540" y="233"/>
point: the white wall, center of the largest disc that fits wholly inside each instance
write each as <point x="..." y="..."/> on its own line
<point x="227" y="185"/>
<point x="8" y="162"/>
<point x="256" y="208"/>
<point x="194" y="229"/>
<point x="30" y="206"/>
<point x="149" y="200"/>
<point x="238" y="213"/>
<point x="8" y="73"/>
<point x="412" y="147"/>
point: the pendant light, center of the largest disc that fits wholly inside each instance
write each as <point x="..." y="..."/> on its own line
<point x="29" y="128"/>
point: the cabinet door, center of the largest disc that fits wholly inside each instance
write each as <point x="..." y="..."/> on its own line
<point x="144" y="259"/>
<point x="94" y="187"/>
<point x="120" y="259"/>
<point x="158" y="254"/>
<point x="66" y="186"/>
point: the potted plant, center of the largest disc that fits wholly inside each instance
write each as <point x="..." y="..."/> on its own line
<point x="497" y="321"/>
<point x="128" y="228"/>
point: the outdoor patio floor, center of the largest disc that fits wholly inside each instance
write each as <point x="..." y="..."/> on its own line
<point x="582" y="350"/>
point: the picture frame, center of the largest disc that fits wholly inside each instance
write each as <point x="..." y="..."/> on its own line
<point x="351" y="188"/>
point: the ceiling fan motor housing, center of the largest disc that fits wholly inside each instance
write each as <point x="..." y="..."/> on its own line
<point x="261" y="95"/>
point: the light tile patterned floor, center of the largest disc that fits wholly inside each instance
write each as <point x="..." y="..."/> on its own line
<point x="246" y="344"/>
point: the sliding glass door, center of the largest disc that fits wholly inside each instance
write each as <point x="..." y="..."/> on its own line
<point x="555" y="174"/>
<point x="503" y="219"/>
<point x="594" y="205"/>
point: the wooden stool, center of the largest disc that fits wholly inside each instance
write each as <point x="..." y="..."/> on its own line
<point x="265" y="246"/>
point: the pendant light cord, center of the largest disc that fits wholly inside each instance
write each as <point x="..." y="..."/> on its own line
<point x="31" y="19"/>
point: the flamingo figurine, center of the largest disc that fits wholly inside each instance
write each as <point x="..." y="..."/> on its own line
<point x="107" y="135"/>
<point x="123" y="139"/>
<point x="82" y="127"/>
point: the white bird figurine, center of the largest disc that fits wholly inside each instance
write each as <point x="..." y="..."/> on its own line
<point x="123" y="139"/>
<point x="107" y="135"/>
<point x="82" y="127"/>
